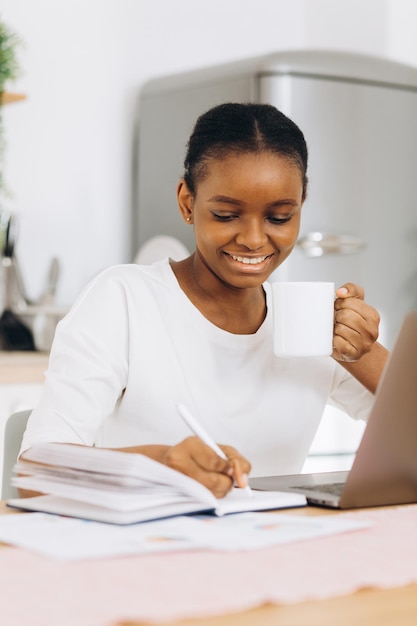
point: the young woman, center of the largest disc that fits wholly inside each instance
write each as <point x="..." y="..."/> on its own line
<point x="141" y="339"/>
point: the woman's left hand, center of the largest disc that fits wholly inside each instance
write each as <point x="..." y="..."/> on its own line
<point x="356" y="324"/>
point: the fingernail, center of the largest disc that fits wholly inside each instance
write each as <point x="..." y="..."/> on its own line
<point x="245" y="479"/>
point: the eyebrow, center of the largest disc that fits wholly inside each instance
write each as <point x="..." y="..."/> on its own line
<point x="238" y="203"/>
<point x="226" y="200"/>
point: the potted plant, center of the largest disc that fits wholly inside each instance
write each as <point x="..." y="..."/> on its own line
<point x="9" y="70"/>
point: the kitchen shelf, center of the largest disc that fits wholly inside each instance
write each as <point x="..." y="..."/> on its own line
<point x="9" y="98"/>
<point x="22" y="367"/>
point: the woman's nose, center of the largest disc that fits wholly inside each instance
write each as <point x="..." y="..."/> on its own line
<point x="252" y="235"/>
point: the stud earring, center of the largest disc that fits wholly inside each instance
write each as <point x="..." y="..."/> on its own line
<point x="188" y="219"/>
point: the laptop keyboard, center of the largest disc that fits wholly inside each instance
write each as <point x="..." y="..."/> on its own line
<point x="334" y="489"/>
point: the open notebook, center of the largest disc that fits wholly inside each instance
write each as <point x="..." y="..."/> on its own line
<point x="123" y="488"/>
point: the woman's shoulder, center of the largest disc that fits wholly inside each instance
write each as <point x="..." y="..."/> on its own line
<point x="113" y="286"/>
<point x="129" y="274"/>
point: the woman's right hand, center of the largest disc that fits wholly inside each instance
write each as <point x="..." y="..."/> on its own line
<point x="195" y="459"/>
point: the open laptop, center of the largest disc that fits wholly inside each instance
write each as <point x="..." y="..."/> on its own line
<point x="384" y="471"/>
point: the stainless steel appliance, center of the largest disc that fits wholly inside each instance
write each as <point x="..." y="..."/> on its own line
<point x="359" y="116"/>
<point x="359" y="223"/>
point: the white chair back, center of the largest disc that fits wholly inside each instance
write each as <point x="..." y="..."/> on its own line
<point x="159" y="247"/>
<point x="13" y="434"/>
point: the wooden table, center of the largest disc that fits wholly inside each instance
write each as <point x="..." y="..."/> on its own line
<point x="370" y="607"/>
<point x="392" y="607"/>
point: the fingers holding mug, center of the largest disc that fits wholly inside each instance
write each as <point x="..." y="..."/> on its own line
<point x="356" y="324"/>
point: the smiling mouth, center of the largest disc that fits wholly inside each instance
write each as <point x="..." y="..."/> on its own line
<point x="249" y="260"/>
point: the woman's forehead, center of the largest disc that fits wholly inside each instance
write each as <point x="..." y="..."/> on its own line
<point x="251" y="178"/>
<point x="264" y="167"/>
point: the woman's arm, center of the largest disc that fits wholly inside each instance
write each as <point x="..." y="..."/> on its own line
<point x="197" y="460"/>
<point x="369" y="368"/>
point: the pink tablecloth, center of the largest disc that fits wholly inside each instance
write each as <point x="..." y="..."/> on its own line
<point x="38" y="591"/>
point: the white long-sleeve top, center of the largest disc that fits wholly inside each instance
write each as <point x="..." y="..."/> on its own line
<point x="133" y="346"/>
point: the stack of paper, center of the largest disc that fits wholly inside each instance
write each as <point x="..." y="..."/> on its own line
<point x="120" y="487"/>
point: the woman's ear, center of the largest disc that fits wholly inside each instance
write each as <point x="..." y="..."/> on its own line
<point x="185" y="201"/>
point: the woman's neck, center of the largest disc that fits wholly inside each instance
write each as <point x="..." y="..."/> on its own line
<point x="238" y="311"/>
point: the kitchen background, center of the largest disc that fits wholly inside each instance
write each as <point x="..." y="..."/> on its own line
<point x="70" y="155"/>
<point x="70" y="144"/>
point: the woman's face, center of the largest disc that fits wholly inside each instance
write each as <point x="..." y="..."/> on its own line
<point x="246" y="216"/>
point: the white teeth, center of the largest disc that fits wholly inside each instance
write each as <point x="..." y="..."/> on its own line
<point x="249" y="260"/>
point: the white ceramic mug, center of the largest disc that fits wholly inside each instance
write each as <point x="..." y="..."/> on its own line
<point x="303" y="314"/>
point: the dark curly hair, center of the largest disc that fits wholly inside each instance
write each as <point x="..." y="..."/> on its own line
<point x="239" y="127"/>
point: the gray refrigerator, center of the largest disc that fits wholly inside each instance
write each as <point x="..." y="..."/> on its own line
<point x="359" y="117"/>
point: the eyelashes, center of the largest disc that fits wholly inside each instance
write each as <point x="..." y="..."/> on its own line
<point x="273" y="220"/>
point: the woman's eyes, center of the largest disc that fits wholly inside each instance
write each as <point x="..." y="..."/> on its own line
<point x="223" y="218"/>
<point x="273" y="220"/>
<point x="279" y="220"/>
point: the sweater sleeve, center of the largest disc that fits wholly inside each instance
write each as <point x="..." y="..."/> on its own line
<point x="88" y="366"/>
<point x="349" y="395"/>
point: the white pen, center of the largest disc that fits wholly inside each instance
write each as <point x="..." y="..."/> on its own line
<point x="199" y="431"/>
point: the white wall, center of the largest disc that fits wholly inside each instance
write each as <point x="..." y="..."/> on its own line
<point x="69" y="145"/>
